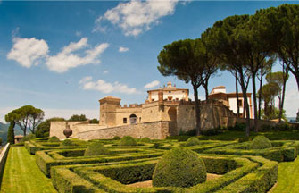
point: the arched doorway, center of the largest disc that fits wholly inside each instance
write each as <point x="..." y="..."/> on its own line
<point x="133" y="119"/>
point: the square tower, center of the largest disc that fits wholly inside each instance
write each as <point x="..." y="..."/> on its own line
<point x="108" y="106"/>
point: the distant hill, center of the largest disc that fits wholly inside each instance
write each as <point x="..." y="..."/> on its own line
<point x="4" y="128"/>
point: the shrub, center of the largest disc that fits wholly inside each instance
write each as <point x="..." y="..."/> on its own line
<point x="116" y="138"/>
<point x="193" y="141"/>
<point x="261" y="142"/>
<point x="96" y="148"/>
<point x="179" y="167"/>
<point x="128" y="141"/>
<point x="28" y="137"/>
<point x="67" y="142"/>
<point x="238" y="127"/>
<point x="188" y="133"/>
<point x="54" y="139"/>
<point x="211" y="132"/>
<point x="145" y="140"/>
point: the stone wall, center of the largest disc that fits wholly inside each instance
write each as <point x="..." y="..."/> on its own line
<point x="3" y="156"/>
<point x="154" y="130"/>
<point x="56" y="128"/>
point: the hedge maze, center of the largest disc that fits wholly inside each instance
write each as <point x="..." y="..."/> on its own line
<point x="240" y="167"/>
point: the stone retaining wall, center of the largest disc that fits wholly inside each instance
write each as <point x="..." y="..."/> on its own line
<point x="3" y="157"/>
<point x="154" y="130"/>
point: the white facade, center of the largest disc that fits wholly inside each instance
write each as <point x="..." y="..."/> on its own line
<point x="170" y="93"/>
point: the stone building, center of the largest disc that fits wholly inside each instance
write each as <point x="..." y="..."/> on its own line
<point x="231" y="100"/>
<point x="166" y="112"/>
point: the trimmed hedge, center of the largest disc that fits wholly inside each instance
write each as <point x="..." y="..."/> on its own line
<point x="287" y="151"/>
<point x="127" y="141"/>
<point x="261" y="142"/>
<point x="47" y="159"/>
<point x="54" y="139"/>
<point x="104" y="177"/>
<point x="192" y="141"/>
<point x="179" y="167"/>
<point x="96" y="148"/>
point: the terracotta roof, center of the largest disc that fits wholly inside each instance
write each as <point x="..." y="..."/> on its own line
<point x="19" y="136"/>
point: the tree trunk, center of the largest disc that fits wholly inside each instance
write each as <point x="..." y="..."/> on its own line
<point x="238" y="108"/>
<point x="260" y="97"/>
<point x="197" y="111"/>
<point x="246" y="106"/>
<point x="254" y="103"/>
<point x="281" y="103"/>
<point x="206" y="91"/>
<point x="296" y="74"/>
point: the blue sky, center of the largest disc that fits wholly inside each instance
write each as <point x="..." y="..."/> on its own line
<point x="64" y="56"/>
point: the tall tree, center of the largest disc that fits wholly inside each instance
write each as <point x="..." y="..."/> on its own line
<point x="230" y="50"/>
<point x="10" y="133"/>
<point x="268" y="93"/>
<point x="266" y="68"/>
<point x="280" y="78"/>
<point x="282" y="33"/>
<point x="185" y="59"/>
<point x="78" y="118"/>
<point x="27" y="117"/>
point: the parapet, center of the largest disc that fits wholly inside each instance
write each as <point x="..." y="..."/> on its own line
<point x="110" y="100"/>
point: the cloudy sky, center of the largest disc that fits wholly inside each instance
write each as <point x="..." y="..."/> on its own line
<point x="63" y="57"/>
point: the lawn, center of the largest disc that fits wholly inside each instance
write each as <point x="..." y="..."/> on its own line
<point x="288" y="178"/>
<point x="22" y="175"/>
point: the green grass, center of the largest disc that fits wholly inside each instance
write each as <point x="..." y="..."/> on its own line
<point x="288" y="178"/>
<point x="272" y="135"/>
<point x="21" y="174"/>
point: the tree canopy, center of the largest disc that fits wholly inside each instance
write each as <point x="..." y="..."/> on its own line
<point x="27" y="117"/>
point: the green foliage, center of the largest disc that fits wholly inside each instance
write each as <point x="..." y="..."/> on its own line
<point x="238" y="127"/>
<point x="157" y="145"/>
<point x="187" y="133"/>
<point x="261" y="142"/>
<point x="116" y="138"/>
<point x="10" y="133"/>
<point x="179" y="168"/>
<point x="96" y="148"/>
<point x="127" y="141"/>
<point x="192" y="141"/>
<point x="297" y="116"/>
<point x="54" y="139"/>
<point x="94" y="121"/>
<point x="67" y="143"/>
<point x="24" y="115"/>
<point x="28" y="137"/>
<point x="78" y="118"/>
<point x="211" y="132"/>
<point x="145" y="140"/>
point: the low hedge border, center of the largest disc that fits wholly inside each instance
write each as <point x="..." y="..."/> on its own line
<point x="236" y="169"/>
<point x="282" y="150"/>
<point x="46" y="159"/>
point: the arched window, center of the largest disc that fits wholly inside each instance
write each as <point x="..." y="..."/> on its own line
<point x="133" y="119"/>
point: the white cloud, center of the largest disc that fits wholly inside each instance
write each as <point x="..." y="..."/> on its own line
<point x="152" y="84"/>
<point x="136" y="16"/>
<point x="66" y="59"/>
<point x="123" y="49"/>
<point x="28" y="51"/>
<point x="105" y="72"/>
<point x="101" y="85"/>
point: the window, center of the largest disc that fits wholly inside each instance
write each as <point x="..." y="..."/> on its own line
<point x="125" y="120"/>
<point x="169" y="98"/>
<point x="240" y="102"/>
<point x="139" y="119"/>
<point x="183" y="91"/>
<point x="169" y="92"/>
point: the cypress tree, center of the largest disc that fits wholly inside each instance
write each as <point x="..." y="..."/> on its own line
<point x="10" y="133"/>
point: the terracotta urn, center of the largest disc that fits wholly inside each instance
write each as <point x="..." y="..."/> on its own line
<point x="67" y="132"/>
